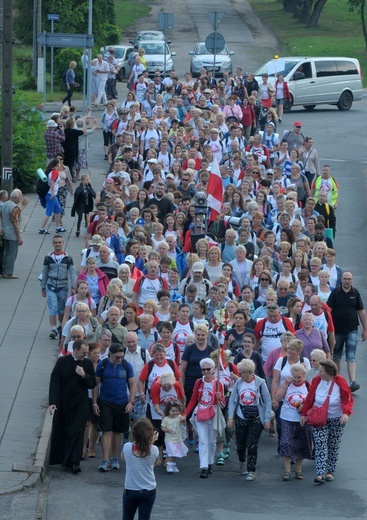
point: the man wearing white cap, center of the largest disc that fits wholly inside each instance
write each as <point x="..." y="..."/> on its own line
<point x="215" y="144"/>
<point x="53" y="136"/>
<point x="147" y="134"/>
<point x="202" y="284"/>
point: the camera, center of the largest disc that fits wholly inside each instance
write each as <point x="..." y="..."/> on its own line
<point x="200" y="202"/>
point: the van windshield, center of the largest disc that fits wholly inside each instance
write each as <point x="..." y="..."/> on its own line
<point x="287" y="68"/>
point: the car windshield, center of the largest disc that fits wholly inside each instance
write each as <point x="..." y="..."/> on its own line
<point x="201" y="49"/>
<point x="119" y="53"/>
<point x="288" y="66"/>
<point x="154" y="48"/>
<point x="150" y="36"/>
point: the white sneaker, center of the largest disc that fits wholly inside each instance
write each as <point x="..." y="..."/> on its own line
<point x="243" y="469"/>
<point x="175" y="469"/>
<point x="170" y="468"/>
<point x="251" y="476"/>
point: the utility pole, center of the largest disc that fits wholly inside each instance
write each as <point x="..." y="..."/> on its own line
<point x="7" y="98"/>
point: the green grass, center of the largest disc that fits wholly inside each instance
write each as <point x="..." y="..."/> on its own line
<point x="339" y="31"/>
<point x="128" y="12"/>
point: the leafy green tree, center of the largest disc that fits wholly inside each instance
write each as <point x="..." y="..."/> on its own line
<point x="360" y="7"/>
<point x="28" y="143"/>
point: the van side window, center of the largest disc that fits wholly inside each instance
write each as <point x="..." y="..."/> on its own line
<point x="325" y="69"/>
<point x="304" y="71"/>
<point x="346" y="68"/>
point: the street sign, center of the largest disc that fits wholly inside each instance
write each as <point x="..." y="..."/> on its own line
<point x="80" y="41"/>
<point x="215" y="18"/>
<point x="54" y="17"/>
<point x="215" y="43"/>
<point x="165" y="21"/>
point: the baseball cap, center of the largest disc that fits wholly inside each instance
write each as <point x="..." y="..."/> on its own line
<point x="198" y="267"/>
<point x="297" y="123"/>
<point x="215" y="130"/>
<point x="207" y="91"/>
<point x="130" y="259"/>
<point x="170" y="176"/>
<point x="51" y="124"/>
<point x="154" y="161"/>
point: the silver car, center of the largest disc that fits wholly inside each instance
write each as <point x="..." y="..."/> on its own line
<point x="149" y="36"/>
<point x="202" y="58"/>
<point x="154" y="54"/>
<point x="122" y="53"/>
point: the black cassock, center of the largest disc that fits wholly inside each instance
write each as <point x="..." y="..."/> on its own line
<point x="69" y="392"/>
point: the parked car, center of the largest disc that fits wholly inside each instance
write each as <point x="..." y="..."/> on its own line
<point x="202" y="58"/>
<point x="315" y="81"/>
<point x="154" y="54"/>
<point x="150" y="36"/>
<point x="122" y="53"/>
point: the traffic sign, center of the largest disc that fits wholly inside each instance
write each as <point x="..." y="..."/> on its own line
<point x="54" y="17"/>
<point x="65" y="40"/>
<point x="215" y="18"/>
<point x="165" y="21"/>
<point x="215" y="43"/>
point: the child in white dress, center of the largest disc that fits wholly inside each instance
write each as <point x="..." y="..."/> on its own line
<point x="174" y="440"/>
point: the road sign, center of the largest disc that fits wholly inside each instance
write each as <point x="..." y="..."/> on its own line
<point x="80" y="41"/>
<point x="54" y="17"/>
<point x="215" y="18"/>
<point x="215" y="43"/>
<point x="165" y="21"/>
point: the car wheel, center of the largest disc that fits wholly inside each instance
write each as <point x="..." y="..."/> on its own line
<point x="345" y="101"/>
<point x="287" y="106"/>
<point x="309" y="107"/>
<point x="121" y="74"/>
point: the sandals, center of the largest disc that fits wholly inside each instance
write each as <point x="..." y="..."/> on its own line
<point x="220" y="460"/>
<point x="299" y="475"/>
<point x="286" y="475"/>
<point x="329" y="477"/>
<point x="319" y="479"/>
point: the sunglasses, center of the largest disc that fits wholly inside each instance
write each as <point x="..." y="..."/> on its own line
<point x="264" y="279"/>
<point x="118" y="357"/>
<point x="271" y="307"/>
<point x="298" y="126"/>
<point x="206" y="369"/>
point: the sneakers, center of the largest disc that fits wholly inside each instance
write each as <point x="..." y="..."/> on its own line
<point x="354" y="386"/>
<point x="196" y="450"/>
<point x="220" y="459"/>
<point x="53" y="334"/>
<point x="104" y="466"/>
<point x="226" y="451"/>
<point x="43" y="232"/>
<point x="251" y="476"/>
<point x="61" y="230"/>
<point x="114" y="463"/>
<point x="172" y="468"/>
<point x="243" y="469"/>
<point x="105" y="157"/>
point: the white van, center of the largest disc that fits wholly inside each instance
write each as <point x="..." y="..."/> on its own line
<point x="315" y="81"/>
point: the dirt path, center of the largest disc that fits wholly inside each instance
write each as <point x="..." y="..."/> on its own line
<point x="244" y="32"/>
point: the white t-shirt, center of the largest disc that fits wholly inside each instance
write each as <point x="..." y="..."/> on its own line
<point x="180" y="334"/>
<point x="148" y="290"/>
<point x="270" y="338"/>
<point x="293" y="399"/>
<point x="247" y="393"/>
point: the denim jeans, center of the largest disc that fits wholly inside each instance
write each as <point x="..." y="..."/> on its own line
<point x="350" y="340"/>
<point x="133" y="500"/>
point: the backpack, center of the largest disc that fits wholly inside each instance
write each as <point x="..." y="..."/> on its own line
<point x="294" y="280"/>
<point x="42" y="188"/>
<point x="150" y="368"/>
<point x="142" y="278"/>
<point x="188" y="281"/>
<point x="124" y="364"/>
<point x="285" y="359"/>
<point x="283" y="321"/>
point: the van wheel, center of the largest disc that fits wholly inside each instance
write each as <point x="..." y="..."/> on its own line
<point x="121" y="74"/>
<point x="287" y="106"/>
<point x="309" y="107"/>
<point x="345" y="101"/>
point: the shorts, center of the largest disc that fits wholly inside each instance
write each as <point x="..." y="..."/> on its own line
<point x="52" y="205"/>
<point x="280" y="101"/>
<point x="112" y="417"/>
<point x="350" y="340"/>
<point x="56" y="300"/>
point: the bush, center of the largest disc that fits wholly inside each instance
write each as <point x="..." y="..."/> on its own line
<point x="24" y="64"/>
<point x="28" y="143"/>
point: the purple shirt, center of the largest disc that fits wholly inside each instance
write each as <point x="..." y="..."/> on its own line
<point x="315" y="340"/>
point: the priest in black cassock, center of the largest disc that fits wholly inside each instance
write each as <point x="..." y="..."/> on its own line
<point x="70" y="380"/>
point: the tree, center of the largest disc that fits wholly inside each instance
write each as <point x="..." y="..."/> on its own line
<point x="360" y="7"/>
<point x="316" y="13"/>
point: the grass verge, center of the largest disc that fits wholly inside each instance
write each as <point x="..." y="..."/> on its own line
<point x="339" y="32"/>
<point x="127" y="13"/>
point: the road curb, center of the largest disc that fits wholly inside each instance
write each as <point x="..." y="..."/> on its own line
<point x="39" y="460"/>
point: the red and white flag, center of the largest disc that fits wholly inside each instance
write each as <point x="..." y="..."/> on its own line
<point x="215" y="190"/>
